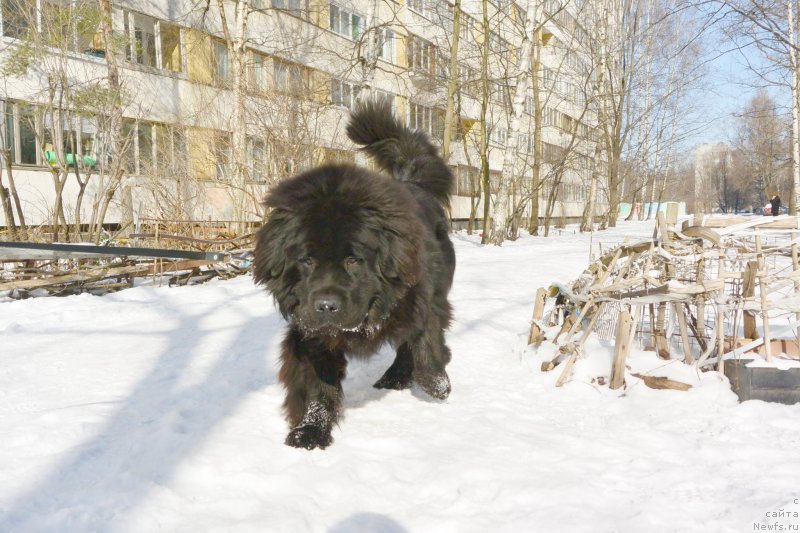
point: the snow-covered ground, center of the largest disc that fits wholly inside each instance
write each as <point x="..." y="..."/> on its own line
<point x="158" y="409"/>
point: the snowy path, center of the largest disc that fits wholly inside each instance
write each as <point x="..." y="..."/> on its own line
<point x="158" y="409"/>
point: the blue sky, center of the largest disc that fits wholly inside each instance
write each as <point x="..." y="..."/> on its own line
<point x="731" y="85"/>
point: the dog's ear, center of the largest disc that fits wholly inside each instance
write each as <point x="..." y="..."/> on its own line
<point x="270" y="251"/>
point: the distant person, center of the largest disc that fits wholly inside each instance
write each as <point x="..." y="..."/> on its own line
<point x="776" y="205"/>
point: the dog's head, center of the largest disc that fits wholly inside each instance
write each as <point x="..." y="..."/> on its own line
<point x="340" y="248"/>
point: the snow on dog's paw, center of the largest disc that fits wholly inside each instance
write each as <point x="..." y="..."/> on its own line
<point x="309" y="437"/>
<point x="437" y="385"/>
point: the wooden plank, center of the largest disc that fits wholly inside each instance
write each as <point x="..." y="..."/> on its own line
<point x="763" y="288"/>
<point x="660" y="338"/>
<point x="622" y="348"/>
<point x="700" y="232"/>
<point x="536" y="335"/>
<point x="779" y="222"/>
<point x="577" y="348"/>
<point x="660" y="382"/>
<point x="91" y="274"/>
<point x="684" y="329"/>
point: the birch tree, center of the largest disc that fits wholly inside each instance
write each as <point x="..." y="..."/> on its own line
<point x="499" y="226"/>
<point x="772" y="26"/>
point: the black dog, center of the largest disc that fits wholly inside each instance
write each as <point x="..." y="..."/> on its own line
<point x="354" y="259"/>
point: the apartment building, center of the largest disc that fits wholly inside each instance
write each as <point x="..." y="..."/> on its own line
<point x="170" y="155"/>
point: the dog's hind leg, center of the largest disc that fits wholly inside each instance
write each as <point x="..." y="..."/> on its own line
<point x="312" y="375"/>
<point x="398" y="376"/>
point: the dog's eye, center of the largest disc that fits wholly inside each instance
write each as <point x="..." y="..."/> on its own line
<point x="308" y="262"/>
<point x="351" y="262"/>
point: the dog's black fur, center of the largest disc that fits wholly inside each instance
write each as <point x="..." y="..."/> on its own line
<point x="355" y="259"/>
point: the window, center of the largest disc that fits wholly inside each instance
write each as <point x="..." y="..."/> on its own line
<point x="223" y="155"/>
<point x="170" y="143"/>
<point x="466" y="27"/>
<point x="295" y="7"/>
<point x="497" y="92"/>
<point x="145" y="146"/>
<point x="65" y="24"/>
<point x="386" y="38"/>
<point x="467" y="181"/>
<point x="26" y="123"/>
<point x="498" y="136"/>
<point x="154" y="149"/>
<point x="420" y="6"/>
<point x="427" y="119"/>
<point x="290" y="77"/>
<point x="67" y="138"/>
<point x="549" y="116"/>
<point x="171" y="58"/>
<point x="220" y="63"/>
<point x="258" y="73"/>
<point x="346" y="23"/>
<point x="421" y="55"/>
<point x="552" y="154"/>
<point x="343" y="93"/>
<point x="18" y="17"/>
<point x="525" y="143"/>
<point x="152" y="43"/>
<point x="257" y="159"/>
<point x="19" y="133"/>
<point x="530" y="107"/>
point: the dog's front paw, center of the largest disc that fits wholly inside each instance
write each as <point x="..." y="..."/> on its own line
<point x="436" y="384"/>
<point x="309" y="437"/>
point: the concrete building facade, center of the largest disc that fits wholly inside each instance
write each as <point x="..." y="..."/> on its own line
<point x="307" y="62"/>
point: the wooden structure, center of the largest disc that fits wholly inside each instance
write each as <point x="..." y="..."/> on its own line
<point x="72" y="268"/>
<point x="707" y="291"/>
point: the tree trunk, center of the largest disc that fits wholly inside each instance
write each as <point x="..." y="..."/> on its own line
<point x="236" y="42"/>
<point x="538" y="147"/>
<point x="487" y="190"/>
<point x="587" y="220"/>
<point x="499" y="227"/>
<point x="116" y="172"/>
<point x="452" y="85"/>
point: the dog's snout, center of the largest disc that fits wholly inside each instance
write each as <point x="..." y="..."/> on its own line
<point x="328" y="304"/>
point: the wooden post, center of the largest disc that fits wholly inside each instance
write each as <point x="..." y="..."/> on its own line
<point x="622" y="348"/>
<point x="536" y="337"/>
<point x="748" y="293"/>
<point x="687" y="347"/>
<point x="701" y="302"/>
<point x="763" y="290"/>
<point x="660" y="339"/>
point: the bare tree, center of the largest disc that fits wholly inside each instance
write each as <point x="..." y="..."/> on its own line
<point x="763" y="142"/>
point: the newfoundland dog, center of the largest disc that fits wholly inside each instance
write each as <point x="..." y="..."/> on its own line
<point x="355" y="259"/>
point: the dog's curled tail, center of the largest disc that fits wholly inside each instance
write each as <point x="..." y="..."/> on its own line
<point x="408" y="155"/>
